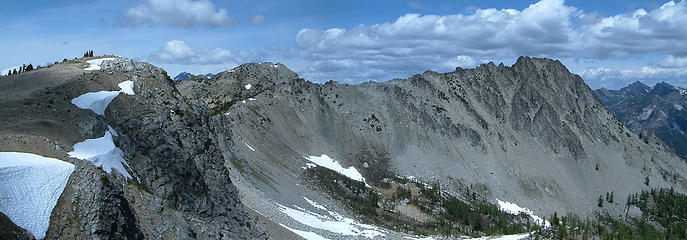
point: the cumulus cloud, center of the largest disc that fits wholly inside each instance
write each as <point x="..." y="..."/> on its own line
<point x="258" y="19"/>
<point x="674" y="62"/>
<point x="179" y="13"/>
<point x="547" y="28"/>
<point x="178" y="52"/>
<point x="614" y="78"/>
<point x="463" y="61"/>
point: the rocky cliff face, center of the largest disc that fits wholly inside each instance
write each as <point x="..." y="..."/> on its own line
<point x="658" y="110"/>
<point x="180" y="188"/>
<point x="532" y="133"/>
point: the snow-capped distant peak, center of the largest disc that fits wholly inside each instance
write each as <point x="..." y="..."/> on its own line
<point x="183" y="76"/>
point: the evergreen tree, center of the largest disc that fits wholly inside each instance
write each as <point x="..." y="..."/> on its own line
<point x="9" y="72"/>
<point x="554" y="219"/>
<point x="601" y="201"/>
<point x="14" y="71"/>
<point x="29" y="67"/>
<point x="646" y="181"/>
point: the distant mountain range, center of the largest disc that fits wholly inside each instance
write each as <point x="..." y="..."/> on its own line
<point x="661" y="110"/>
<point x="185" y="75"/>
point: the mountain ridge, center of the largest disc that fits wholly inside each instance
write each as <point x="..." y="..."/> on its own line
<point x="484" y="113"/>
<point x="651" y="110"/>
<point x="206" y="154"/>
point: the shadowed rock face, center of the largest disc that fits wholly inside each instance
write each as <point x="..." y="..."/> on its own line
<point x="532" y="133"/>
<point x="181" y="188"/>
<point x="659" y="110"/>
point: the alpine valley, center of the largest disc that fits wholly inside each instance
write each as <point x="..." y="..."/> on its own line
<point x="106" y="147"/>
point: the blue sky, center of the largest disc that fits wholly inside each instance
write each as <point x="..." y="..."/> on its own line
<point x="609" y="43"/>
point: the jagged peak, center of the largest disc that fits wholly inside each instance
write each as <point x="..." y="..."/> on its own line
<point x="635" y="88"/>
<point x="639" y="84"/>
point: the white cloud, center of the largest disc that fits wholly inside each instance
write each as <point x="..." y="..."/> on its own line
<point x="617" y="78"/>
<point x="549" y="28"/>
<point x="463" y="61"/>
<point x="258" y="19"/>
<point x="673" y="62"/>
<point x="178" y="52"/>
<point x="179" y="13"/>
<point x="174" y="51"/>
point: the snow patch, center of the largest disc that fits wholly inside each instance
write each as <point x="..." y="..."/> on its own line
<point x="248" y="86"/>
<point x="646" y="113"/>
<point x="102" y="152"/>
<point x="326" y="162"/>
<point x="305" y="234"/>
<point x="275" y="65"/>
<point x="420" y="238"/>
<point x="678" y="107"/>
<point x="504" y="237"/>
<point x="251" y="99"/>
<point x="334" y="223"/>
<point x="513" y="208"/>
<point x="315" y="204"/>
<point x="98" y="101"/>
<point x="248" y="146"/>
<point x="94" y="64"/>
<point x="682" y="91"/>
<point x="30" y="185"/>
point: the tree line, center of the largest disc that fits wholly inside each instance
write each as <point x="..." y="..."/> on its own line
<point x="30" y="67"/>
<point x="23" y="68"/>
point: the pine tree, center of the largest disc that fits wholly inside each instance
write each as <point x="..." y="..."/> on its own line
<point x="9" y="72"/>
<point x="601" y="201"/>
<point x="29" y="67"/>
<point x="612" y="197"/>
<point x="554" y="220"/>
<point x="14" y="71"/>
<point x="646" y="181"/>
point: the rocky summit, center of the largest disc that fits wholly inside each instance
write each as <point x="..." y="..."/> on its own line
<point x="257" y="152"/>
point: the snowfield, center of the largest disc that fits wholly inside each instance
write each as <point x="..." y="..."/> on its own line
<point x="30" y="185"/>
<point x="98" y="101"/>
<point x="305" y="234"/>
<point x="504" y="237"/>
<point x="95" y="64"/>
<point x="326" y="162"/>
<point x="102" y="152"/>
<point x="513" y="208"/>
<point x="334" y="223"/>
